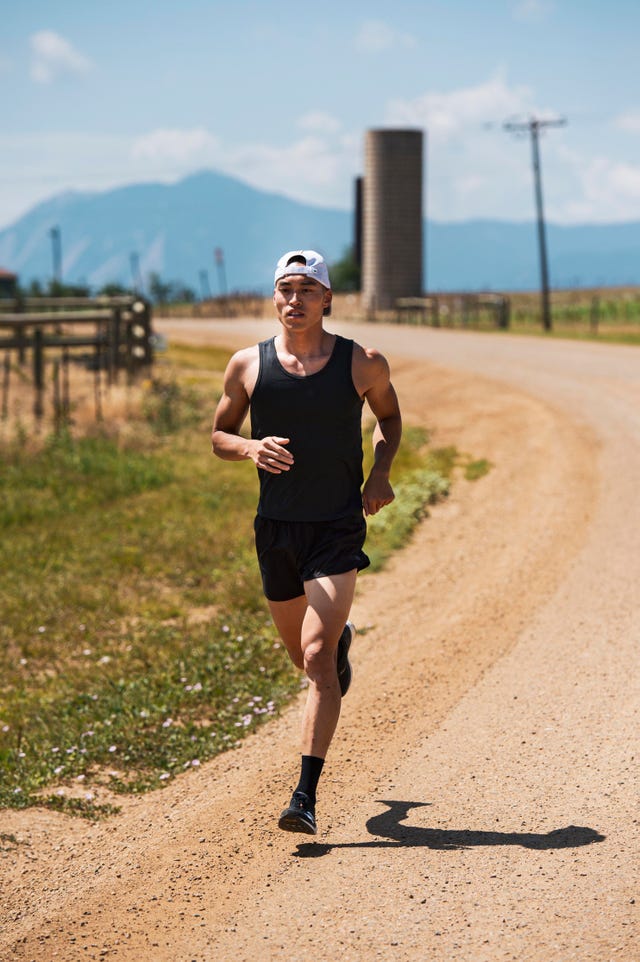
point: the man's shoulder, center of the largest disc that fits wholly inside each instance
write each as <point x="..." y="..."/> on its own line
<point x="243" y="367"/>
<point x="368" y="357"/>
<point x="369" y="369"/>
<point x="245" y="356"/>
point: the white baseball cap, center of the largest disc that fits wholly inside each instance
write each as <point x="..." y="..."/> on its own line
<point x="308" y="263"/>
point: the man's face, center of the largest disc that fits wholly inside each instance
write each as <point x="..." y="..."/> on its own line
<point x="300" y="301"/>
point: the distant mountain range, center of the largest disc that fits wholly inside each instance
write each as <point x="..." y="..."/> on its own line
<point x="174" y="230"/>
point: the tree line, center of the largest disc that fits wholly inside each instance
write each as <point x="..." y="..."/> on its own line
<point x="345" y="277"/>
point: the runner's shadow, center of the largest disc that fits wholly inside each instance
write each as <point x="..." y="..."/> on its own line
<point x="391" y="833"/>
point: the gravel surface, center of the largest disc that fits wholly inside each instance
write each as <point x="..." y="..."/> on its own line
<point x="480" y="799"/>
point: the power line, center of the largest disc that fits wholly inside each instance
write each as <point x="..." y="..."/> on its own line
<point x="534" y="125"/>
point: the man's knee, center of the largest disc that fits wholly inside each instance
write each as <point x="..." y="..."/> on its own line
<point x="319" y="659"/>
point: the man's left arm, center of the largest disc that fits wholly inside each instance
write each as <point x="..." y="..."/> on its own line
<point x="383" y="401"/>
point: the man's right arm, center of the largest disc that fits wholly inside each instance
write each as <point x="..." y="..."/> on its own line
<point x="226" y="441"/>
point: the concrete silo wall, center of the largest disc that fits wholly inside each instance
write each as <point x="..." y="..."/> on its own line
<point x="392" y="208"/>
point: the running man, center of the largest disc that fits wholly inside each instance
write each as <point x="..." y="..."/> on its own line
<point x="305" y="389"/>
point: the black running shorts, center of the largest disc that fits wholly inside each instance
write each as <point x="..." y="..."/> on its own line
<point x="292" y="552"/>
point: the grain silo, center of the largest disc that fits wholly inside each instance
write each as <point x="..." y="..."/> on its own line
<point x="392" y="208"/>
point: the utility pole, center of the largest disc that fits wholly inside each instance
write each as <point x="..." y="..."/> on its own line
<point x="56" y="250"/>
<point x="136" y="276"/>
<point x="357" y="225"/>
<point x="534" y="126"/>
<point x="205" y="289"/>
<point x="222" y="277"/>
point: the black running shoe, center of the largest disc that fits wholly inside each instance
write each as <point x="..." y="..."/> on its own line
<point x="344" y="668"/>
<point x="300" y="816"/>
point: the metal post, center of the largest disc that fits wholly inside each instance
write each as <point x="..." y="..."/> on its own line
<point x="136" y="276"/>
<point x="222" y="277"/>
<point x="56" y="250"/>
<point x="205" y="289"/>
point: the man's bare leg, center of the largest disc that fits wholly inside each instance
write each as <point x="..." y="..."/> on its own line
<point x="288" y="617"/>
<point x="329" y="601"/>
<point x="310" y="627"/>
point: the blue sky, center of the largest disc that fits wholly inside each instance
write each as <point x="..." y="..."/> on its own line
<point x="281" y="94"/>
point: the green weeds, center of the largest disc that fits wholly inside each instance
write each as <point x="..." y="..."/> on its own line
<point x="415" y="491"/>
<point x="474" y="470"/>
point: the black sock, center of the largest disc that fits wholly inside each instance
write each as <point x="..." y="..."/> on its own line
<point x="309" y="775"/>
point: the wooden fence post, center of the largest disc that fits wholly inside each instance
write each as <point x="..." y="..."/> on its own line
<point x="57" y="405"/>
<point x="66" y="401"/>
<point x="5" y="385"/>
<point x="114" y="346"/>
<point x="38" y="373"/>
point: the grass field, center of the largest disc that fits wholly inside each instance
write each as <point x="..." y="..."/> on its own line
<point x="599" y="314"/>
<point x="135" y="642"/>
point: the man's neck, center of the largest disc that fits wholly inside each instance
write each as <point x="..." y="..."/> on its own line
<point x="315" y="342"/>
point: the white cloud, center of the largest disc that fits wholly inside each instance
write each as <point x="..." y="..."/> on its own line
<point x="473" y="184"/>
<point x="610" y="189"/>
<point x="474" y="167"/>
<point x="446" y="115"/>
<point x="600" y="189"/>
<point x="376" y="35"/>
<point x="174" y="146"/>
<point x="298" y="168"/>
<point x="52" y="56"/>
<point x="471" y="170"/>
<point x="313" y="167"/>
<point x="629" y="122"/>
<point x="532" y="10"/>
<point x="319" y="122"/>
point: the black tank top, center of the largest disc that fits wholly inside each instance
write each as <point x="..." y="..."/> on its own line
<point x="321" y="414"/>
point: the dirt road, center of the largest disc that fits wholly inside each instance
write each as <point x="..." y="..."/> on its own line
<point x="480" y="800"/>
